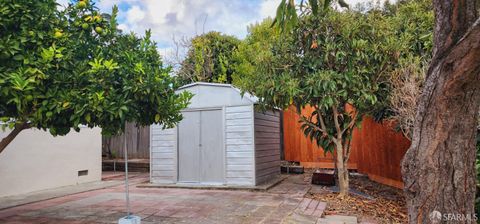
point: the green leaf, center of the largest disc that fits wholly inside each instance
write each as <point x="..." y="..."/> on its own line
<point x="48" y="54"/>
<point x="279" y="16"/>
<point x="18" y="57"/>
<point x="314" y="5"/>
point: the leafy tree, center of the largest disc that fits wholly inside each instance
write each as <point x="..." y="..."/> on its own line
<point x="209" y="59"/>
<point x="64" y="68"/>
<point x="254" y="56"/>
<point x="332" y="63"/>
<point x="337" y="62"/>
<point x="413" y="23"/>
<point x="286" y="16"/>
<point x="405" y="87"/>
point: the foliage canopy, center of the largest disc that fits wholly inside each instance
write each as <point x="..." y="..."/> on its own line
<point x="337" y="62"/>
<point x="209" y="59"/>
<point x="62" y="68"/>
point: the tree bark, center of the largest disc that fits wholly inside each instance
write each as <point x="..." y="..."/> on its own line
<point x="439" y="168"/>
<point x="9" y="138"/>
<point x="343" y="180"/>
<point x="341" y="161"/>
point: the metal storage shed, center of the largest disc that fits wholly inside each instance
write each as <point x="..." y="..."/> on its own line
<point x="221" y="140"/>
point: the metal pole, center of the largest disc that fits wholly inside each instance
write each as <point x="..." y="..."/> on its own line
<point x="126" y="174"/>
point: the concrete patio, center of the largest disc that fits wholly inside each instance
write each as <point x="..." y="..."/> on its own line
<point x="283" y="203"/>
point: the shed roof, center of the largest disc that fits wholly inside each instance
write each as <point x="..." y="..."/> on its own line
<point x="252" y="99"/>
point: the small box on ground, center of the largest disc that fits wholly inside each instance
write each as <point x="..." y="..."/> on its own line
<point x="292" y="169"/>
<point x="323" y="177"/>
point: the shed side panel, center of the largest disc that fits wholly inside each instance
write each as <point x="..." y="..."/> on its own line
<point x="267" y="145"/>
<point x="163" y="155"/>
<point x="239" y="145"/>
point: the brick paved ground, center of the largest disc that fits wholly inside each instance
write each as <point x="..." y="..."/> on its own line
<point x="282" y="204"/>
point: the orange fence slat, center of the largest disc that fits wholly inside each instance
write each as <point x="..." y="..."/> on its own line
<point x="377" y="150"/>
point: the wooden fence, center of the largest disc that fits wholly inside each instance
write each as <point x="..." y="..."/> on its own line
<point x="138" y="143"/>
<point x="377" y="150"/>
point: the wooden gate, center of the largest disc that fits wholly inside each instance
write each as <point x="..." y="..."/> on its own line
<point x="138" y="143"/>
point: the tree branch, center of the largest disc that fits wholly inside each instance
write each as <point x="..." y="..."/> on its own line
<point x="352" y="122"/>
<point x="304" y="119"/>
<point x="335" y="120"/>
<point x="9" y="138"/>
<point x="347" y="149"/>
<point x="322" y="121"/>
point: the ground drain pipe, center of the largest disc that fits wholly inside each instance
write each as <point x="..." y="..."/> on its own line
<point x="129" y="219"/>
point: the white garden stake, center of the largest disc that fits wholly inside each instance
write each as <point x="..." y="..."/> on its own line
<point x="129" y="219"/>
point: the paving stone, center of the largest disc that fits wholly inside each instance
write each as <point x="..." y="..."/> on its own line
<point x="295" y="218"/>
<point x="311" y="207"/>
<point x="283" y="203"/>
<point x="320" y="209"/>
<point x="304" y="204"/>
<point x="321" y="221"/>
<point x="341" y="219"/>
<point x="150" y="211"/>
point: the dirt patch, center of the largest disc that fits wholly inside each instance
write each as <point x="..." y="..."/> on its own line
<point x="373" y="202"/>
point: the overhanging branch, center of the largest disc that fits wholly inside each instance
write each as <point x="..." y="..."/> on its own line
<point x="9" y="138"/>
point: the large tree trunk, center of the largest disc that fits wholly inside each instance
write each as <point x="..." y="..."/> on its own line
<point x="9" y="138"/>
<point x="439" y="168"/>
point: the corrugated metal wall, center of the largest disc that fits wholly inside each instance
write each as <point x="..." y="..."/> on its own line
<point x="377" y="150"/>
<point x="267" y="145"/>
<point x="239" y="158"/>
<point x="239" y="145"/>
<point x="163" y="164"/>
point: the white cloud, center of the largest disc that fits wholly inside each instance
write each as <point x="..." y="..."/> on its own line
<point x="268" y="8"/>
<point x="135" y="14"/>
<point x="186" y="18"/>
<point x="167" y="18"/>
<point x="123" y="27"/>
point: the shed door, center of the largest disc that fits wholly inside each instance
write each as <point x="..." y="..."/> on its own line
<point x="201" y="147"/>
<point x="188" y="147"/>
<point x="211" y="146"/>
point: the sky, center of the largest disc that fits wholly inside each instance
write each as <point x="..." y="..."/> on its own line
<point x="176" y="19"/>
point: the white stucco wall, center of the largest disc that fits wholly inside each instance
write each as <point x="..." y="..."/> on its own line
<point x="36" y="160"/>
